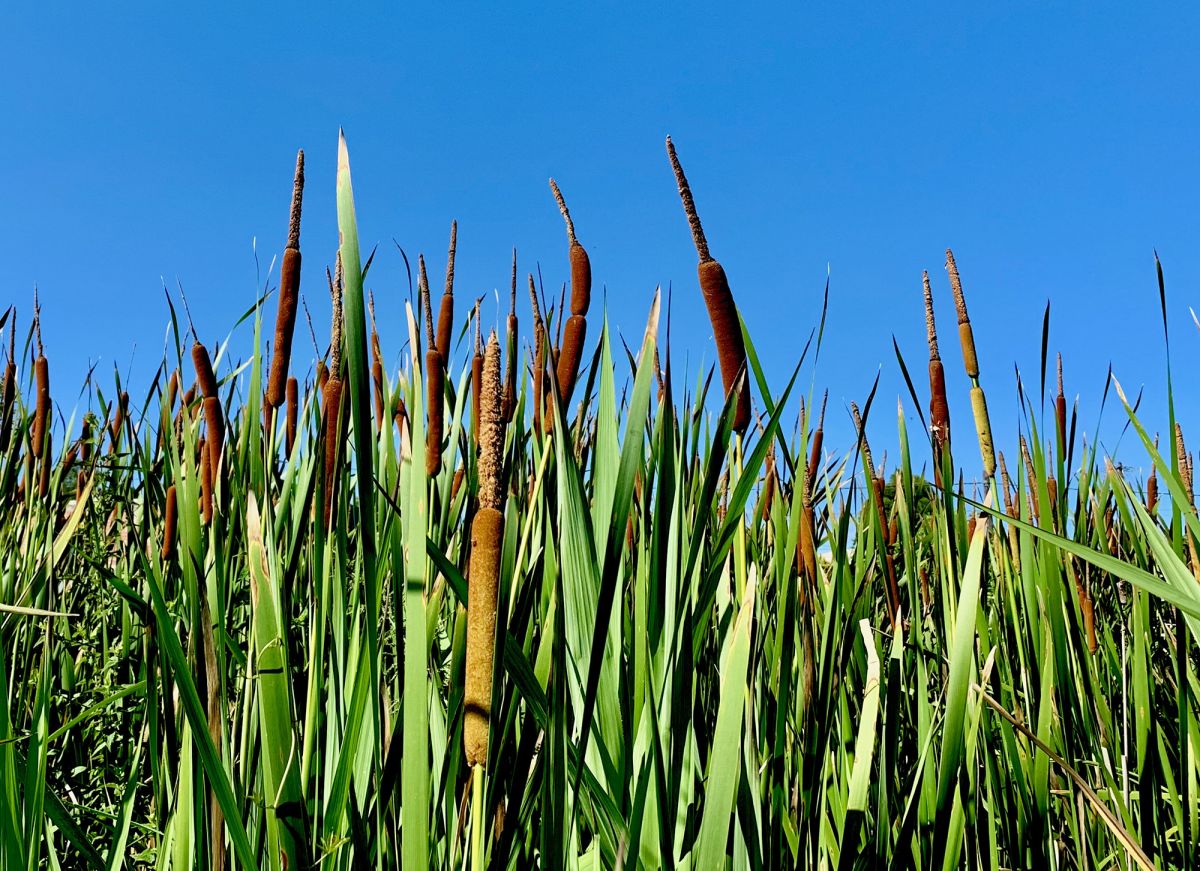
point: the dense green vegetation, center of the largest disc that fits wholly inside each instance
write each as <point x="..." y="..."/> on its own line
<point x="714" y="648"/>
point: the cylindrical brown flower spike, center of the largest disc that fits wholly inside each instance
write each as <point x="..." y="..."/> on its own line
<point x="939" y="407"/>
<point x="487" y="537"/>
<point x="41" y="412"/>
<point x="289" y="293"/>
<point x="539" y="356"/>
<point x="445" y="326"/>
<point x="293" y="400"/>
<point x="118" y="422"/>
<point x="575" y="329"/>
<point x="214" y="421"/>
<point x="9" y="394"/>
<point x="722" y="312"/>
<point x="204" y="370"/>
<point x="206" y="483"/>
<point x="6" y="404"/>
<point x="434" y="383"/>
<point x="168" y="546"/>
<point x="331" y="399"/>
<point x="332" y="406"/>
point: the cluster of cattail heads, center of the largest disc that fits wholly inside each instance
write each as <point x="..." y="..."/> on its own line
<point x="722" y="312"/>
<point x="983" y="426"/>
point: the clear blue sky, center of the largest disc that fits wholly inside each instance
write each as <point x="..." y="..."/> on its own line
<point x="1052" y="148"/>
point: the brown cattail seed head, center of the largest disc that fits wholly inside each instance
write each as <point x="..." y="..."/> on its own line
<point x="487" y="533"/>
<point x="436" y="412"/>
<point x="476" y="390"/>
<point x="727" y="331"/>
<point x="487" y="536"/>
<point x="206" y="483"/>
<point x="332" y="405"/>
<point x="168" y="546"/>
<point x="939" y="408"/>
<point x="581" y="279"/>
<point x="204" y="370"/>
<point x="215" y="423"/>
<point x="6" y="404"/>
<point x="539" y="355"/>
<point x="285" y="325"/>
<point x="118" y="422"/>
<point x="289" y="293"/>
<point x="41" y="413"/>
<point x="570" y="355"/>
<point x="446" y="311"/>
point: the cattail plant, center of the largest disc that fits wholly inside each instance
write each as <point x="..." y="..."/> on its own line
<point x="206" y="379"/>
<point x="1060" y="412"/>
<point x="169" y="520"/>
<point x="8" y="392"/>
<point x="875" y="484"/>
<point x="435" y="385"/>
<point x="118" y="422"/>
<point x="939" y="408"/>
<point x="445" y="324"/>
<point x="722" y="312"/>
<point x="539" y="355"/>
<point x="331" y="400"/>
<point x="214" y="423"/>
<point x="206" y="482"/>
<point x="983" y="426"/>
<point x="570" y="351"/>
<point x="508" y="403"/>
<point x="487" y="535"/>
<point x="41" y="372"/>
<point x="289" y="291"/>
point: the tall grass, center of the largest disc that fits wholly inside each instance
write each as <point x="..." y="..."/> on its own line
<point x="226" y="645"/>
